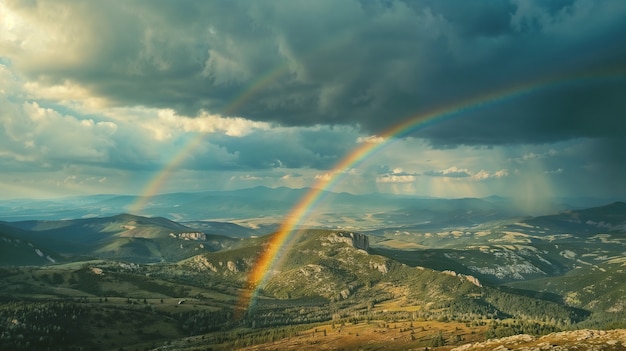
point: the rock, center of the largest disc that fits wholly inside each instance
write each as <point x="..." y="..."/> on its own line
<point x="344" y="293"/>
<point x="381" y="267"/>
<point x="232" y="266"/>
<point x="356" y="240"/>
<point x="569" y="340"/>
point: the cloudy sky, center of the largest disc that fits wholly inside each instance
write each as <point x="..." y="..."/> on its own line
<point x="129" y="97"/>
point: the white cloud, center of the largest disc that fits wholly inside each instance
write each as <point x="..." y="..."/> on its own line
<point x="81" y="180"/>
<point x="501" y="173"/>
<point x="481" y="175"/>
<point x="44" y="134"/>
<point x="451" y="172"/>
<point x="532" y="156"/>
<point x="165" y="124"/>
<point x="395" y="175"/>
<point x="556" y="171"/>
<point x="325" y="176"/>
<point x="289" y="176"/>
<point x="66" y="94"/>
<point x="373" y="139"/>
<point x="204" y="123"/>
<point x="395" y="178"/>
<point x="455" y="172"/>
<point x="249" y="177"/>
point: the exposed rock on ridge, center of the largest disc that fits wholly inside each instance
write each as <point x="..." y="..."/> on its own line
<point x="356" y="240"/>
<point x="570" y="340"/>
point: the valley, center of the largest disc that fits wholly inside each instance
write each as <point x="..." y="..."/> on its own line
<point x="406" y="279"/>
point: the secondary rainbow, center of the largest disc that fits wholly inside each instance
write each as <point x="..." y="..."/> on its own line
<point x="267" y="260"/>
<point x="156" y="184"/>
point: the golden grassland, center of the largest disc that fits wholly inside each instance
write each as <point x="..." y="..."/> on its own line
<point x="378" y="335"/>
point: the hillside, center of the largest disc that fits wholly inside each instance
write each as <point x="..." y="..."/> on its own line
<point x="121" y="237"/>
<point x="229" y="229"/>
<point x="582" y="340"/>
<point x="19" y="252"/>
<point x="336" y="267"/>
<point x="575" y="257"/>
<point x="328" y="280"/>
<point x="599" y="288"/>
<point x="590" y="221"/>
<point x="440" y="287"/>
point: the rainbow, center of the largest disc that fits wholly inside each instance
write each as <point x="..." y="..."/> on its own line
<point x="269" y="257"/>
<point x="156" y="184"/>
<point x="161" y="178"/>
<point x="262" y="82"/>
<point x="268" y="260"/>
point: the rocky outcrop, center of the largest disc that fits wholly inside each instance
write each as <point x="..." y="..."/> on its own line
<point x="201" y="263"/>
<point x="310" y="270"/>
<point x="473" y="280"/>
<point x="469" y="278"/>
<point x="196" y="236"/>
<point x="381" y="267"/>
<point x="356" y="240"/>
<point x="232" y="266"/>
<point x="570" y="340"/>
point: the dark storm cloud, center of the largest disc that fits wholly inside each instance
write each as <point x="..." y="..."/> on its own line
<point x="294" y="148"/>
<point x="368" y="63"/>
<point x="606" y="162"/>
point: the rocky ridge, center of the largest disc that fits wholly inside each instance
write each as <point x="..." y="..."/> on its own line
<point x="580" y="340"/>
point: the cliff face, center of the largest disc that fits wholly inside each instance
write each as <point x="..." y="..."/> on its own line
<point x="357" y="240"/>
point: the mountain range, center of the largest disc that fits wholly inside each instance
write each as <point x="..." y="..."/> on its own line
<point x="483" y="273"/>
<point x="274" y="203"/>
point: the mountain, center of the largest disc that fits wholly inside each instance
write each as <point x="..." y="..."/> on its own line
<point x="416" y="281"/>
<point x="337" y="267"/>
<point x="429" y="214"/>
<point x="18" y="252"/>
<point x="574" y="257"/>
<point x="608" y="218"/>
<point x="229" y="229"/>
<point x="513" y="249"/>
<point x="229" y="205"/>
<point x="54" y="209"/>
<point x="327" y="287"/>
<point x="123" y="237"/>
<point x="599" y="288"/>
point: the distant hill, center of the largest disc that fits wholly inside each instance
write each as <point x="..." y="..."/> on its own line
<point x="228" y="229"/>
<point x="123" y="237"/>
<point x="575" y="257"/>
<point x="19" y="252"/>
<point x="276" y="202"/>
<point x="608" y="218"/>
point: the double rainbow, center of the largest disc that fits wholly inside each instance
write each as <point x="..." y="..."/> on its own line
<point x="268" y="260"/>
<point x="278" y="242"/>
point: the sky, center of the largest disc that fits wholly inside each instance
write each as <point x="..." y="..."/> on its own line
<point x="147" y="97"/>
